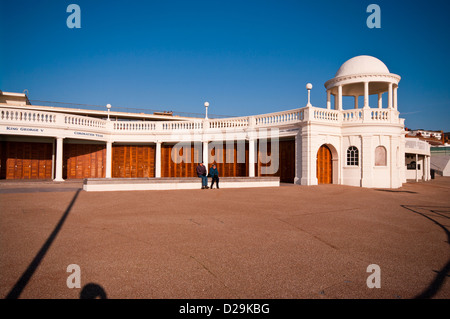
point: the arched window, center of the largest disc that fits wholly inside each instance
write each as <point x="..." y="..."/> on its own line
<point x="380" y="156"/>
<point x="352" y="156"/>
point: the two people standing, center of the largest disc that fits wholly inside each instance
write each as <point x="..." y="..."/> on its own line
<point x="213" y="172"/>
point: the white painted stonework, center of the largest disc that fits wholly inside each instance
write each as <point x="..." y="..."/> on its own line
<point x="128" y="184"/>
<point x="362" y="126"/>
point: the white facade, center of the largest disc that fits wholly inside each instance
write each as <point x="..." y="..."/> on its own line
<point x="366" y="143"/>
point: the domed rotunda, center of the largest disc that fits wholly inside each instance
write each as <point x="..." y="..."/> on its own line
<point x="362" y="76"/>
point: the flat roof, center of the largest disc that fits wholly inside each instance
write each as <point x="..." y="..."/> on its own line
<point x="102" y="114"/>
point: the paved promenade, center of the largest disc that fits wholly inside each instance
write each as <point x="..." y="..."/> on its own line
<point x="285" y="242"/>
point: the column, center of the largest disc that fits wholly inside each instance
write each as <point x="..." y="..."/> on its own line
<point x="356" y="101"/>
<point x="158" y="159"/>
<point x="395" y="97"/>
<point x="340" y="97"/>
<point x="425" y="168"/>
<point x="205" y="155"/>
<point x="390" y="96"/>
<point x="428" y="168"/>
<point x="328" y="99"/>
<point x="380" y="100"/>
<point x="59" y="160"/>
<point x="108" y="159"/>
<point x="417" y="165"/>
<point x="308" y="156"/>
<point x="53" y="159"/>
<point x="366" y="160"/>
<point x="251" y="157"/>
<point x="366" y="94"/>
<point x="298" y="158"/>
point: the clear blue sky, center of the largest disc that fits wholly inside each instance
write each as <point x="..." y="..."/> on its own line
<point x="245" y="57"/>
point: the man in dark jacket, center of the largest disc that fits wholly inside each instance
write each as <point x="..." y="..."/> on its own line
<point x="214" y="173"/>
<point x="201" y="172"/>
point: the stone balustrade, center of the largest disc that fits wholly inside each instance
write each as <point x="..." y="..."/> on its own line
<point x="10" y="115"/>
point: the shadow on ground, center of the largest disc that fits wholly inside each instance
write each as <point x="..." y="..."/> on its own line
<point x="29" y="272"/>
<point x="431" y="212"/>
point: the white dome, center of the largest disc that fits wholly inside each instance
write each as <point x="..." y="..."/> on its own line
<point x="362" y="64"/>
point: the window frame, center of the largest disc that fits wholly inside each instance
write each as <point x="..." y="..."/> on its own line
<point x="352" y="156"/>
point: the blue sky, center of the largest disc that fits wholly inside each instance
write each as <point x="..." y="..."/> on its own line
<point x="244" y="57"/>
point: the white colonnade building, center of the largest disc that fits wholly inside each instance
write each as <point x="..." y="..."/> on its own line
<point x="361" y="145"/>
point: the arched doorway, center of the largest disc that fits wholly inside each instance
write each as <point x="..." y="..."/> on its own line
<point x="324" y="165"/>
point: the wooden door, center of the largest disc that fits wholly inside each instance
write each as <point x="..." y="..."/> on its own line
<point x="25" y="160"/>
<point x="324" y="165"/>
<point x="285" y="151"/>
<point x="3" y="160"/>
<point x="228" y="160"/>
<point x="84" y="161"/>
<point x="287" y="161"/>
<point x="133" y="161"/>
<point x="180" y="160"/>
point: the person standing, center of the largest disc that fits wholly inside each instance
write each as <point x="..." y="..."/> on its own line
<point x="214" y="173"/>
<point x="201" y="172"/>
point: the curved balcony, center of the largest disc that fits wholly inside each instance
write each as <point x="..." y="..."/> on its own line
<point x="9" y="115"/>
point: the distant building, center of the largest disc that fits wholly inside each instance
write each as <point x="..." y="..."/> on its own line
<point x="435" y="138"/>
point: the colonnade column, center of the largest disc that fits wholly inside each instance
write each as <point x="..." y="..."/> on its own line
<point x="395" y="97"/>
<point x="340" y="97"/>
<point x="425" y="168"/>
<point x="251" y="157"/>
<point x="390" y="96"/>
<point x="428" y="158"/>
<point x="366" y="94"/>
<point x="328" y="99"/>
<point x="59" y="160"/>
<point x="205" y="155"/>
<point x="108" y="159"/>
<point x="417" y="165"/>
<point x="356" y="101"/>
<point x="158" y="159"/>
<point x="380" y="100"/>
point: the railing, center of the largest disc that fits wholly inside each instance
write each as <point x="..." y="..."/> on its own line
<point x="176" y="126"/>
<point x="134" y="126"/>
<point x="417" y="144"/>
<point x="286" y="117"/>
<point x="25" y="116"/>
<point x="229" y="123"/>
<point x="11" y="115"/>
<point x="380" y="115"/>
<point x="83" y="121"/>
<point x="326" y="115"/>
<point x="352" y="115"/>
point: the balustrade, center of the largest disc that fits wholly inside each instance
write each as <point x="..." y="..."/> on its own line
<point x="13" y="115"/>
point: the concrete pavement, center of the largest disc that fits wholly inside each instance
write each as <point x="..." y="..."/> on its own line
<point x="285" y="242"/>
